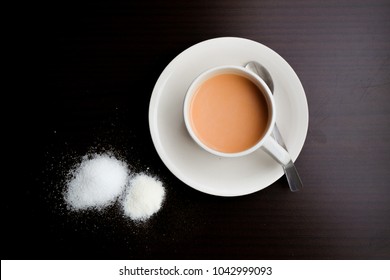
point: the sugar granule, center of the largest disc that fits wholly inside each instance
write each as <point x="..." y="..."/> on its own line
<point x="97" y="182"/>
<point x="143" y="198"/>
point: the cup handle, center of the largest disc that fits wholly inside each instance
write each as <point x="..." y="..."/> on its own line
<point x="271" y="147"/>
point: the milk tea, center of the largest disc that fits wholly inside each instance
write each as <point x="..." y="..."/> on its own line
<point x="229" y="113"/>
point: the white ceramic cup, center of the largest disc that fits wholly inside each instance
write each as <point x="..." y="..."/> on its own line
<point x="267" y="142"/>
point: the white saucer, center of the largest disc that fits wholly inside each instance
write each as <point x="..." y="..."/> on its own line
<point x="196" y="167"/>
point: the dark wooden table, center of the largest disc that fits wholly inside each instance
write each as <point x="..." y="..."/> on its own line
<point x="81" y="79"/>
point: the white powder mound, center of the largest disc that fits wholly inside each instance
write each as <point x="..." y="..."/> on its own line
<point x="97" y="182"/>
<point x="143" y="198"/>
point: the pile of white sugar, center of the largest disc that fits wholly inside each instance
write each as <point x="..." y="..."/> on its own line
<point x="134" y="203"/>
<point x="97" y="182"/>
<point x="101" y="179"/>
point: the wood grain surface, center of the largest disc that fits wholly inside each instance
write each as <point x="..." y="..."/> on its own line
<point x="81" y="78"/>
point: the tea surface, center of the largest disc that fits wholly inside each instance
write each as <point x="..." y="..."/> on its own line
<point x="229" y="113"/>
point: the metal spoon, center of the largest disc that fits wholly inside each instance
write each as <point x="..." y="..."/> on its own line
<point x="293" y="179"/>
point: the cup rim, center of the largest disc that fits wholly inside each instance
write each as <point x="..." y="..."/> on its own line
<point x="220" y="70"/>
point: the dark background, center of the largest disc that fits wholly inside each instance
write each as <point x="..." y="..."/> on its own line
<point x="79" y="77"/>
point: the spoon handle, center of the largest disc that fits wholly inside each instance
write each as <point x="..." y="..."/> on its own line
<point x="293" y="179"/>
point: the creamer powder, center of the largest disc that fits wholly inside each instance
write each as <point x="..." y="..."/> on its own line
<point x="96" y="182"/>
<point x="143" y="197"/>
